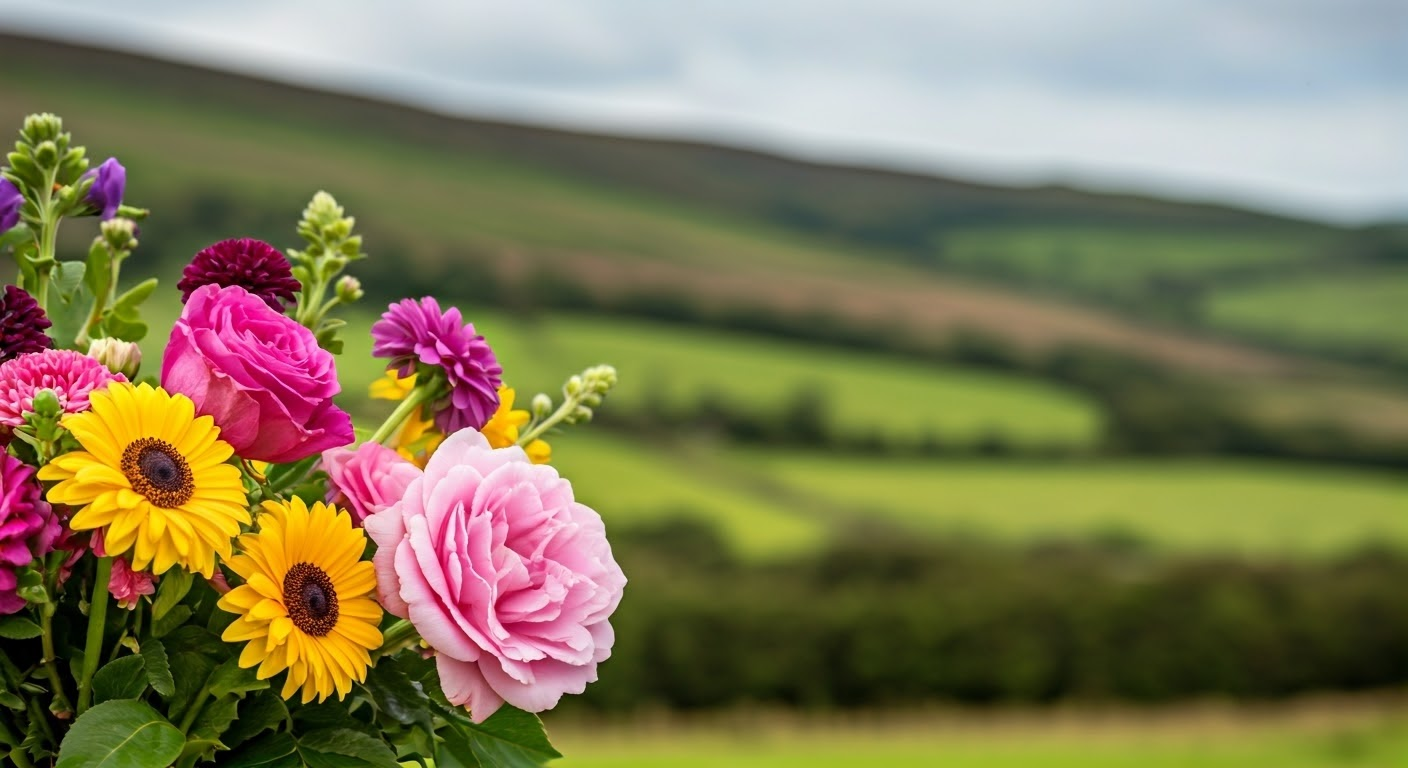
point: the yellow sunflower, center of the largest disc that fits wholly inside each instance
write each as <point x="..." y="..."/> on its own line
<point x="305" y="604"/>
<point x="154" y="475"/>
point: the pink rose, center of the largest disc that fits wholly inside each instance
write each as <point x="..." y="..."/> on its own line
<point x="504" y="575"/>
<point x="368" y="479"/>
<point x="259" y="374"/>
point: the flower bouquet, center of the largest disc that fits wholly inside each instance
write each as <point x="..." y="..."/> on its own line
<point x="209" y="565"/>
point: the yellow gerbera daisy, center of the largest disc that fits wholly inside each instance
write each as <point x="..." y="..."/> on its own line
<point x="305" y="604"/>
<point x="417" y="437"/>
<point x="154" y="475"/>
<point x="503" y="426"/>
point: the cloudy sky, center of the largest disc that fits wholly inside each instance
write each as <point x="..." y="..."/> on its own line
<point x="1292" y="105"/>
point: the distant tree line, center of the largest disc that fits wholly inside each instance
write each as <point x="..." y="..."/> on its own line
<point x="882" y="620"/>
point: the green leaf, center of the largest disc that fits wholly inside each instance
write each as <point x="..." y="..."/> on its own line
<point x="173" y="619"/>
<point x="273" y="750"/>
<point x="197" y="640"/>
<point x="215" y="717"/>
<point x="10" y="700"/>
<point x="363" y="749"/>
<point x="262" y="712"/>
<point x="230" y="678"/>
<point x="99" y="270"/>
<point x="511" y="738"/>
<point x="19" y="628"/>
<point x="330" y="715"/>
<point x="454" y="751"/>
<point x="130" y="300"/>
<point x="121" y="734"/>
<point x="397" y="696"/>
<point x="175" y="583"/>
<point x="191" y="671"/>
<point x="124" y="678"/>
<point x="158" y="667"/>
<point x="67" y="277"/>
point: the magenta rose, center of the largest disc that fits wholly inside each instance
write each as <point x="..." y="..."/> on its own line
<point x="508" y="579"/>
<point x="259" y="374"/>
<point x="368" y="479"/>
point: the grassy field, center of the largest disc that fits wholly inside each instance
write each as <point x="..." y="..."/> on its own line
<point x="1184" y="506"/>
<point x="1320" y="735"/>
<point x="680" y="367"/>
<point x="1353" y="310"/>
<point x="1119" y="262"/>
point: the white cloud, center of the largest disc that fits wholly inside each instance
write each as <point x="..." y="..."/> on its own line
<point x="1299" y="105"/>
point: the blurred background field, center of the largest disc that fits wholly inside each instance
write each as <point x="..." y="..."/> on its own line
<point x="904" y="469"/>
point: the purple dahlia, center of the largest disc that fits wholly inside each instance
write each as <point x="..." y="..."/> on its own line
<point x="253" y="265"/>
<point x="22" y="324"/>
<point x="414" y="333"/>
<point x="28" y="527"/>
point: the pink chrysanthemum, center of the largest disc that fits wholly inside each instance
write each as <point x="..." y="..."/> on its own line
<point x="28" y="527"/>
<point x="22" y="324"/>
<point x="253" y="265"/>
<point x="71" y="375"/>
<point x="412" y="333"/>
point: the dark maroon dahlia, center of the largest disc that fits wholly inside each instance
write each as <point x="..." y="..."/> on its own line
<point x="22" y="325"/>
<point x="253" y="265"/>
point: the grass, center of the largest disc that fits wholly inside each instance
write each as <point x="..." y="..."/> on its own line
<point x="1115" y="261"/>
<point x="1178" y="506"/>
<point x="1354" y="310"/>
<point x="1287" y="736"/>
<point x="1186" y="505"/>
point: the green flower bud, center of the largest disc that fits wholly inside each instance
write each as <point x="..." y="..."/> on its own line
<point x="46" y="154"/>
<point x="542" y="406"/>
<point x="47" y="405"/>
<point x="124" y="357"/>
<point x="349" y="289"/>
<point x="573" y="387"/>
<point x="120" y="233"/>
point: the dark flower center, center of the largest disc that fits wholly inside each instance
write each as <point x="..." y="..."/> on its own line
<point x="310" y="599"/>
<point x="158" y="471"/>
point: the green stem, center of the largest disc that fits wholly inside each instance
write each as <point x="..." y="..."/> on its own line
<point x="308" y="312"/>
<point x="568" y="406"/>
<point x="48" y="237"/>
<point x="196" y="708"/>
<point x="407" y="407"/>
<point x="17" y="754"/>
<point x="97" y="619"/>
<point x="397" y="636"/>
<point x="46" y="623"/>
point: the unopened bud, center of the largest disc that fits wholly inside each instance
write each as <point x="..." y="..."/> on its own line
<point x="123" y="357"/>
<point x="46" y="154"/>
<point x="573" y="387"/>
<point x="120" y="233"/>
<point x="542" y="406"/>
<point x="349" y="289"/>
<point x="46" y="404"/>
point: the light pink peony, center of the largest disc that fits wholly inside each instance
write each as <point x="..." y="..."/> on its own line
<point x="368" y="479"/>
<point x="259" y="374"/>
<point x="504" y="575"/>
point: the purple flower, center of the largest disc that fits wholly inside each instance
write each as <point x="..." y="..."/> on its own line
<point x="10" y="203"/>
<point x="410" y="333"/>
<point x="253" y="265"/>
<point x="109" y="182"/>
<point x="22" y="324"/>
<point x="28" y="527"/>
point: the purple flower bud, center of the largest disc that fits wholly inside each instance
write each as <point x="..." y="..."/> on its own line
<point x="109" y="182"/>
<point x="10" y="202"/>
